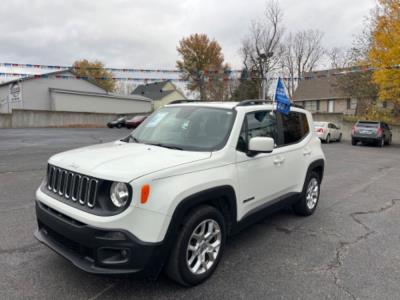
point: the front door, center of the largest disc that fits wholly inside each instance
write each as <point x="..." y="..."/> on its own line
<point x="261" y="177"/>
<point x="331" y="106"/>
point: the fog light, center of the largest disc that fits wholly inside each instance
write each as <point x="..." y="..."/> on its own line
<point x="112" y="256"/>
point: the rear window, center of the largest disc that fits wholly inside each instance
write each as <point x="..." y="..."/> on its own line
<point x="368" y="124"/>
<point x="295" y="127"/>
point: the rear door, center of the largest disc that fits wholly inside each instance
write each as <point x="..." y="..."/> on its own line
<point x="297" y="148"/>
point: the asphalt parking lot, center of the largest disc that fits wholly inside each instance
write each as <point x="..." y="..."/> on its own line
<point x="349" y="249"/>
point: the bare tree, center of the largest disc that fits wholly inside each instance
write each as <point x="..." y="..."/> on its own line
<point x="124" y="87"/>
<point x="261" y="49"/>
<point x="302" y="51"/>
<point x="339" y="57"/>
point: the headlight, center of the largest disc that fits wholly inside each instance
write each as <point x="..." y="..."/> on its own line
<point x="119" y="194"/>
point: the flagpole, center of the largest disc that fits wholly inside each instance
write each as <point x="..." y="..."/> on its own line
<point x="273" y="98"/>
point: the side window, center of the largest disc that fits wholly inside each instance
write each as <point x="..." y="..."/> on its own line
<point x="295" y="127"/>
<point x="259" y="123"/>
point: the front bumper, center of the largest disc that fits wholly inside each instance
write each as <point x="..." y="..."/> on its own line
<point x="94" y="250"/>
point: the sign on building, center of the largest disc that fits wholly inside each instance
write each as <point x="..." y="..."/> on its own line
<point x="15" y="92"/>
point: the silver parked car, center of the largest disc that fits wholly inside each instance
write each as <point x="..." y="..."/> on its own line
<point x="374" y="132"/>
<point x="328" y="131"/>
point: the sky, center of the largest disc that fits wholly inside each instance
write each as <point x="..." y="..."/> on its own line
<point x="145" y="33"/>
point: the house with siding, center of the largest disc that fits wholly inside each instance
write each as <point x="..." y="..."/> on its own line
<point x="319" y="92"/>
<point x="161" y="93"/>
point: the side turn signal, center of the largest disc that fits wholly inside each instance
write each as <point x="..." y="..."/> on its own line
<point x="145" y="192"/>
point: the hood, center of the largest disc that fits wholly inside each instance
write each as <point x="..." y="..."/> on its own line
<point x="120" y="161"/>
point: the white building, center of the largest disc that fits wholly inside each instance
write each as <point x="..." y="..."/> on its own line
<point x="62" y="91"/>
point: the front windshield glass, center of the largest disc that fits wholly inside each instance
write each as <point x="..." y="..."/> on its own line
<point x="193" y="128"/>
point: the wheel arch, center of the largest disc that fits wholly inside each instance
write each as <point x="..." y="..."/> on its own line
<point x="317" y="166"/>
<point x="222" y="197"/>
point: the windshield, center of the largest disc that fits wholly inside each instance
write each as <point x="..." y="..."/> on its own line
<point x="187" y="128"/>
<point x="368" y="124"/>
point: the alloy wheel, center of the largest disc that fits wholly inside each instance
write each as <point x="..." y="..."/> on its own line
<point x="203" y="247"/>
<point x="312" y="193"/>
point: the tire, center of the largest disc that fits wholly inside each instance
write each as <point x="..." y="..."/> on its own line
<point x="328" y="139"/>
<point x="353" y="141"/>
<point x="310" y="195"/>
<point x="177" y="267"/>
<point x="389" y="141"/>
<point x="340" y="138"/>
<point x="381" y="142"/>
<point x="110" y="126"/>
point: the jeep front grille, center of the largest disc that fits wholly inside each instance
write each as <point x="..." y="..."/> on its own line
<point x="72" y="186"/>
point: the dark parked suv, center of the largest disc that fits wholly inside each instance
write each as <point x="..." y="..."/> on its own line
<point x="376" y="132"/>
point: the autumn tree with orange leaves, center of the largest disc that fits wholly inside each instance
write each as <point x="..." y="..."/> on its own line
<point x="384" y="54"/>
<point x="202" y="64"/>
<point x="96" y="72"/>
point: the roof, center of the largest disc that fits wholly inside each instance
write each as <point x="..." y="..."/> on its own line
<point x="320" y="85"/>
<point x="34" y="76"/>
<point x="232" y="105"/>
<point x="155" y="90"/>
<point x="107" y="95"/>
<point x="228" y="105"/>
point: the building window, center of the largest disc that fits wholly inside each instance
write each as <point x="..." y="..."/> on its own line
<point x="353" y="103"/>
<point x="348" y="104"/>
<point x="312" y="105"/>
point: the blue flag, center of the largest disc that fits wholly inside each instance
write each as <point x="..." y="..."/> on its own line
<point x="281" y="99"/>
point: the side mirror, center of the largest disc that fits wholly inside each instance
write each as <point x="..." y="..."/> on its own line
<point x="261" y="145"/>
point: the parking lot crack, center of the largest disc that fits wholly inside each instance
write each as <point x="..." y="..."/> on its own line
<point x="102" y="292"/>
<point x="343" y="247"/>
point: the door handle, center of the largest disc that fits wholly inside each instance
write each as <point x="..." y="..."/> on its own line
<point x="279" y="160"/>
<point x="306" y="151"/>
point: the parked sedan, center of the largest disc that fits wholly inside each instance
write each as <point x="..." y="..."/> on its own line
<point x="376" y="132"/>
<point x="135" y="121"/>
<point x="120" y="122"/>
<point x="327" y="131"/>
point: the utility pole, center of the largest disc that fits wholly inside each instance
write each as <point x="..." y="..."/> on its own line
<point x="264" y="60"/>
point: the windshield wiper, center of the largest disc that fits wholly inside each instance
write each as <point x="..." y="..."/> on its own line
<point x="134" y="139"/>
<point x="167" y="146"/>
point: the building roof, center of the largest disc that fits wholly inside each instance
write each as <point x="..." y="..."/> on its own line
<point x="155" y="90"/>
<point x="58" y="72"/>
<point x="319" y="85"/>
<point x="106" y="95"/>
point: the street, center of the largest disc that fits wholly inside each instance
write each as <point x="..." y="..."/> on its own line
<point x="349" y="249"/>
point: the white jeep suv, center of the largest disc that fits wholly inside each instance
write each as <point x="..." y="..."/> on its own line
<point x="168" y="195"/>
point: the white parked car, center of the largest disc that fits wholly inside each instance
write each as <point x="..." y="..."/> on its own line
<point x="328" y="131"/>
<point x="168" y="195"/>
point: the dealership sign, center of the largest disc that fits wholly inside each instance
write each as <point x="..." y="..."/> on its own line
<point x="15" y="92"/>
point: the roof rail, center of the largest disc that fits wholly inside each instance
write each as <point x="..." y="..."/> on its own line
<point x="183" y="101"/>
<point x="253" y="102"/>
<point x="259" y="102"/>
